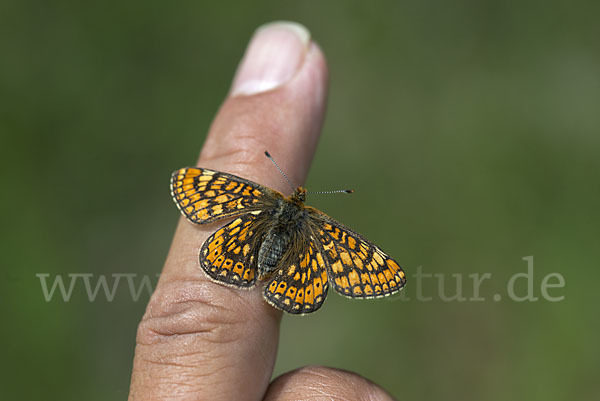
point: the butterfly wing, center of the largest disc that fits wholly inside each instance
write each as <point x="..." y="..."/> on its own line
<point x="204" y="195"/>
<point x="356" y="267"/>
<point x="229" y="255"/>
<point x="299" y="286"/>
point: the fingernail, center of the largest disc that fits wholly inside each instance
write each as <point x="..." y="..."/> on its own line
<point x="275" y="53"/>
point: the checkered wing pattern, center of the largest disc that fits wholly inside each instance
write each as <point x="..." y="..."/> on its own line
<point x="299" y="286"/>
<point x="228" y="256"/>
<point x="311" y="252"/>
<point x="204" y="195"/>
<point x="356" y="267"/>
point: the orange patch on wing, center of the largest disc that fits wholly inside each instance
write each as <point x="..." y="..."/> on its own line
<point x="300" y="296"/>
<point x="308" y="295"/>
<point x="320" y="260"/>
<point x="304" y="261"/>
<point x="222" y="198"/>
<point x="227" y="264"/>
<point x="318" y="287"/>
<point x="281" y="288"/>
<point x="216" y="243"/>
<point x="357" y="262"/>
<point x="345" y="258"/>
<point x="377" y="258"/>
<point x="238" y="268"/>
<point x="291" y="292"/>
<point x="337" y="267"/>
<point x="392" y="265"/>
<point x="202" y="214"/>
<point x="353" y="277"/>
<point x="201" y="204"/>
<point x="249" y="274"/>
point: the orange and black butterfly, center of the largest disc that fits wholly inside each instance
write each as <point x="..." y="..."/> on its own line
<point x="298" y="250"/>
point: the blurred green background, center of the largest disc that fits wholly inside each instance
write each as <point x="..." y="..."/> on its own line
<point x="469" y="130"/>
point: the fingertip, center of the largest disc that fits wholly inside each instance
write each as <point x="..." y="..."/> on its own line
<point x="274" y="54"/>
<point x="314" y="382"/>
<point x="286" y="120"/>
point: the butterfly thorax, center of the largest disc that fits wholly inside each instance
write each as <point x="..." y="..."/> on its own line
<point x="287" y="218"/>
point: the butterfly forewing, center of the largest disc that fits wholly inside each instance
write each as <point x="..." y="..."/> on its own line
<point x="204" y="195"/>
<point x="356" y="267"/>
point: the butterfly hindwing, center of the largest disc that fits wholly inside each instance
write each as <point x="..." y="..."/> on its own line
<point x="300" y="285"/>
<point x="204" y="195"/>
<point x="356" y="267"/>
<point x="228" y="256"/>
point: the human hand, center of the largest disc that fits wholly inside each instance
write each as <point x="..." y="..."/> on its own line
<point x="203" y="341"/>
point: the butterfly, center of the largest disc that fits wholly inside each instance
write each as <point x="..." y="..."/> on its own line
<point x="297" y="250"/>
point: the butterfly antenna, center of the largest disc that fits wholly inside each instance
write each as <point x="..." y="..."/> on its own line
<point x="338" y="191"/>
<point x="280" y="170"/>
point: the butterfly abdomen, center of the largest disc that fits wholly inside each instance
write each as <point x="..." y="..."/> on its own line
<point x="286" y="218"/>
<point x="271" y="250"/>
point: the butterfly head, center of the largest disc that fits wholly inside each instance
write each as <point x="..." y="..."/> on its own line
<point x="299" y="195"/>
